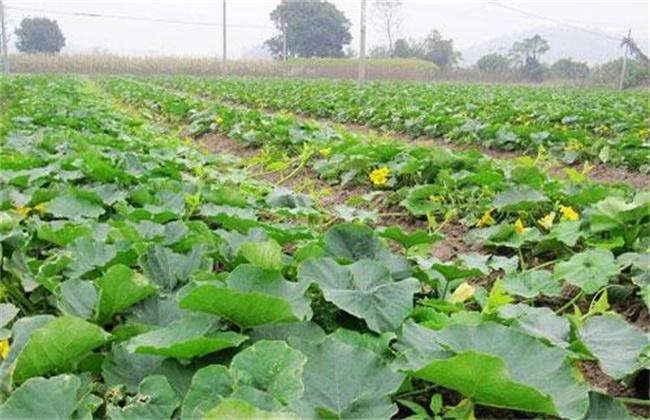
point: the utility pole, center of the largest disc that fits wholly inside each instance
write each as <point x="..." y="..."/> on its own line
<point x="224" y="57"/>
<point x="362" y="44"/>
<point x="4" y="40"/>
<point x="284" y="42"/>
<point x="621" y="81"/>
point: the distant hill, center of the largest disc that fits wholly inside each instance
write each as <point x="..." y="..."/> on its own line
<point x="564" y="42"/>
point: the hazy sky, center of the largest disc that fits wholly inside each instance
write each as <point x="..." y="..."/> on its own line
<point x="467" y="22"/>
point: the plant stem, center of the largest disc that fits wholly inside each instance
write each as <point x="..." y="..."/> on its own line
<point x="415" y="392"/>
<point x="546" y="264"/>
<point x="393" y="214"/>
<point x="521" y="259"/>
<point x="291" y="175"/>
<point x="635" y="401"/>
<point x="570" y="303"/>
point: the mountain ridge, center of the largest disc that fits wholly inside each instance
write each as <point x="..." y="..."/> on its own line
<point x="564" y="42"/>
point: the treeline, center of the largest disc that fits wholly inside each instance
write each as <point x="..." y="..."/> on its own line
<point x="522" y="63"/>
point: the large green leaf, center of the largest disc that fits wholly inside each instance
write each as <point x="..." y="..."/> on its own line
<point x="122" y="368"/>
<point x="267" y="254"/>
<point x="119" y="289"/>
<point x="267" y="375"/>
<point x="616" y="344"/>
<point x="604" y="407"/>
<point x="343" y="381"/>
<point x="350" y="242"/>
<point x="77" y="298"/>
<point x="517" y="199"/>
<point x="246" y="309"/>
<point x="532" y="283"/>
<point x="89" y="254"/>
<point x="194" y="336"/>
<point x="590" y="270"/>
<point x="418" y="201"/>
<point x="7" y="313"/>
<point x="40" y="398"/>
<point x="364" y="289"/>
<point x="538" y="322"/>
<point x="513" y="371"/>
<point x="71" y="207"/>
<point x="232" y="408"/>
<point x="408" y="240"/>
<point x="272" y="367"/>
<point x="54" y="345"/>
<point x="209" y="386"/>
<point x="253" y="297"/>
<point x="165" y="268"/>
<point x="62" y="233"/>
<point x="613" y="212"/>
<point x="156" y="399"/>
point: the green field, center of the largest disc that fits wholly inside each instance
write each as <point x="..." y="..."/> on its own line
<point x="179" y="247"/>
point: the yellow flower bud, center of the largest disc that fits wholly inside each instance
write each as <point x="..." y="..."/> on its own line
<point x="462" y="293"/>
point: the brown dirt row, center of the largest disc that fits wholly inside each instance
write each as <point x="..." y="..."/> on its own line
<point x="446" y="250"/>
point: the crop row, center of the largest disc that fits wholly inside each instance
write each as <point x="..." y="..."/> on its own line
<point x="142" y="278"/>
<point x="570" y="124"/>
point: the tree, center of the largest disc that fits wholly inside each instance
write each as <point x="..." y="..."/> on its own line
<point x="494" y="62"/>
<point x="607" y="74"/>
<point x="525" y="57"/>
<point x="523" y="52"/>
<point x="388" y="13"/>
<point x="440" y="51"/>
<point x="39" y="35"/>
<point x="566" y="68"/>
<point x="313" y="28"/>
<point x="402" y="49"/>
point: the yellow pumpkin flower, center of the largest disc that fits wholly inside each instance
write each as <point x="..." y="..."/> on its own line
<point x="326" y="151"/>
<point x="486" y="219"/>
<point x="380" y="176"/>
<point x="547" y="221"/>
<point x="519" y="226"/>
<point x="23" y="211"/>
<point x="569" y="214"/>
<point x="574" y="145"/>
<point x="462" y="293"/>
<point x="41" y="207"/>
<point x="4" y="348"/>
<point x="218" y="120"/>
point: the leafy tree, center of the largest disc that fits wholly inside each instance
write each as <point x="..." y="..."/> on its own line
<point x="387" y="13"/>
<point x="493" y="62"/>
<point x="525" y="57"/>
<point x="566" y="68"/>
<point x="439" y="50"/>
<point x="402" y="49"/>
<point x="313" y="28"/>
<point x="608" y="74"/>
<point x="39" y="35"/>
<point x="528" y="50"/>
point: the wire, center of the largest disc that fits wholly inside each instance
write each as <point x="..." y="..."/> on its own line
<point x="548" y="19"/>
<point x="138" y="19"/>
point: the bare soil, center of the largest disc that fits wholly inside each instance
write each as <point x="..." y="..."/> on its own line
<point x="218" y="143"/>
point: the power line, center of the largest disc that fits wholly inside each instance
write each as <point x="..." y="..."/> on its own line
<point x="138" y="18"/>
<point x="548" y="19"/>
